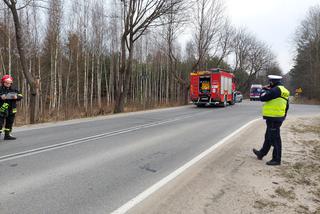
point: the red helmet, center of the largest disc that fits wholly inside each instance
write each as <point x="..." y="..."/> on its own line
<point x="7" y="78"/>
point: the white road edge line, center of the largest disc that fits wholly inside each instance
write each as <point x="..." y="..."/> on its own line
<point x="139" y="198"/>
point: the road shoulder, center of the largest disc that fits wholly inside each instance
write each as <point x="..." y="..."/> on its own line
<point x="232" y="180"/>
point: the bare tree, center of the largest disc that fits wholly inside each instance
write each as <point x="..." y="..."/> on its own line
<point x="208" y="22"/>
<point x="241" y="47"/>
<point x="251" y="58"/>
<point x="174" y="22"/>
<point x="33" y="83"/>
<point x="224" y="43"/>
<point x="306" y="71"/>
<point x="138" y="16"/>
<point x="53" y="43"/>
<point x="98" y="31"/>
<point x="91" y="67"/>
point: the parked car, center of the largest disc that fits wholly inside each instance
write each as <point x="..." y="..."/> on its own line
<point x="239" y="97"/>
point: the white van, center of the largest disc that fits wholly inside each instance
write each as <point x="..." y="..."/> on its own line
<point x="255" y="92"/>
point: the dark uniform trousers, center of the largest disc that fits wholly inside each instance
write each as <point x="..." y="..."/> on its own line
<point x="272" y="138"/>
<point x="9" y="119"/>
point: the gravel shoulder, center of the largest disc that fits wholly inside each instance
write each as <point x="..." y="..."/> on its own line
<point x="232" y="180"/>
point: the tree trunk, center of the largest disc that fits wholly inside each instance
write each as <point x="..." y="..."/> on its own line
<point x="78" y="79"/>
<point x="39" y="90"/>
<point x="20" y="45"/>
<point x="99" y="74"/>
<point x="92" y="81"/>
<point x="51" y="83"/>
<point x="55" y="89"/>
<point x="85" y="85"/>
<point x="122" y="81"/>
<point x="107" y="84"/>
<point x="186" y="95"/>
<point x="67" y="100"/>
<point x="9" y="47"/>
<point x="60" y="91"/>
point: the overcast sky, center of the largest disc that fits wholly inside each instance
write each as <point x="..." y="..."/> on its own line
<point x="271" y="21"/>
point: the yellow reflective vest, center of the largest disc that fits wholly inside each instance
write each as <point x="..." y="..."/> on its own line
<point x="276" y="107"/>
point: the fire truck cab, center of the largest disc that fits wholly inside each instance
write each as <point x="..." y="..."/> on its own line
<point x="212" y="87"/>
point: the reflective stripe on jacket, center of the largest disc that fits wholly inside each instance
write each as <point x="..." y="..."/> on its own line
<point x="277" y="107"/>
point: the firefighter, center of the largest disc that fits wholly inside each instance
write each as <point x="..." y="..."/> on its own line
<point x="8" y="107"/>
<point x="275" y="108"/>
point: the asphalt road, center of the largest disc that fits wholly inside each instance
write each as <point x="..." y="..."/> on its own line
<point x="95" y="166"/>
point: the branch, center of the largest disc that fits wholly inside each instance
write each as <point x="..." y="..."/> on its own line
<point x="8" y="3"/>
<point x="24" y="6"/>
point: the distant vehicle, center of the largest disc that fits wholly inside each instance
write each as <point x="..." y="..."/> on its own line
<point x="212" y="87"/>
<point x="238" y="97"/>
<point x="255" y="92"/>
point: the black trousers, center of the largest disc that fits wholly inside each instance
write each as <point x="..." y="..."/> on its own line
<point x="8" y="120"/>
<point x="272" y="138"/>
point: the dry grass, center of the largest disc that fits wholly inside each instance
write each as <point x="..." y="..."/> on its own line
<point x="303" y="100"/>
<point x="263" y="204"/>
<point x="305" y="128"/>
<point x="143" y="107"/>
<point x="316" y="193"/>
<point x="306" y="172"/>
<point x="75" y="112"/>
<point x="288" y="194"/>
<point x="302" y="209"/>
<point x="316" y="150"/>
<point x="302" y="171"/>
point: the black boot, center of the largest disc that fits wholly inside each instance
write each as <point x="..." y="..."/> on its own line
<point x="273" y="163"/>
<point x="258" y="154"/>
<point x="7" y="136"/>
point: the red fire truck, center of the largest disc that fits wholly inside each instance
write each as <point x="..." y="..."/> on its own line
<point x="212" y="87"/>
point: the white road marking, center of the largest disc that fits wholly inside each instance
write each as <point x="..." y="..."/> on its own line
<point x="133" y="202"/>
<point x="86" y="139"/>
<point x="91" y="119"/>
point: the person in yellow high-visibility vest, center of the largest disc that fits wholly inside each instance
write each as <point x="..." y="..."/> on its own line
<point x="274" y="111"/>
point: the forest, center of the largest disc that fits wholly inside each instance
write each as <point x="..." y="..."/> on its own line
<point x="306" y="71"/>
<point x="79" y="58"/>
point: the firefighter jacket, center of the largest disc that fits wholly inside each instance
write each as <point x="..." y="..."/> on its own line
<point x="276" y="103"/>
<point x="9" y="105"/>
